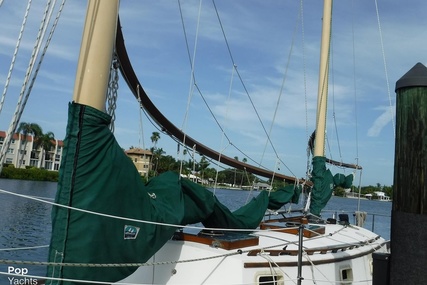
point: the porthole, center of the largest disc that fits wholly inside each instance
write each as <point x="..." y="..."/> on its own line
<point x="270" y="280"/>
<point x="346" y="275"/>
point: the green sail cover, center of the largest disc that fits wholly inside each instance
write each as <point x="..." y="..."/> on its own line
<point x="97" y="176"/>
<point x="324" y="184"/>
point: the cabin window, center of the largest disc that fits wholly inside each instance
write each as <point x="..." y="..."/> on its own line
<point x="346" y="275"/>
<point x="270" y="280"/>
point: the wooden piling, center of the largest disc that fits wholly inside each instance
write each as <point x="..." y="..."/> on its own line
<point x="409" y="211"/>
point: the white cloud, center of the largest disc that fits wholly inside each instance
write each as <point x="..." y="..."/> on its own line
<point x="381" y="121"/>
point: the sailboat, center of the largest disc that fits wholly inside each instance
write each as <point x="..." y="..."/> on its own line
<point x="109" y="227"/>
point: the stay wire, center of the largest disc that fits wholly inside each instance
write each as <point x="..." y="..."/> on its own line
<point x="385" y="67"/>
<point x="199" y="91"/>
<point x="25" y="92"/>
<point x="15" y="53"/>
<point x="245" y="88"/>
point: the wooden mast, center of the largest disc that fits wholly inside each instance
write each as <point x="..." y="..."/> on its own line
<point x="322" y="95"/>
<point x="95" y="53"/>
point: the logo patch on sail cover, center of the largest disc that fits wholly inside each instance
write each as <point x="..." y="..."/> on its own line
<point x="130" y="232"/>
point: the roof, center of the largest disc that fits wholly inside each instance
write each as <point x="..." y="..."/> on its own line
<point x="29" y="138"/>
<point x="138" y="151"/>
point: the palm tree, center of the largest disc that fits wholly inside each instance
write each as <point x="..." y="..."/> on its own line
<point x="155" y="138"/>
<point x="235" y="172"/>
<point x="203" y="164"/>
<point x="243" y="172"/>
<point x="45" y="141"/>
<point x="157" y="153"/>
<point x="27" y="129"/>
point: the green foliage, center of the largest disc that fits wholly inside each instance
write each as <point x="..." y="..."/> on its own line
<point x="162" y="163"/>
<point x="33" y="173"/>
<point x="339" y="191"/>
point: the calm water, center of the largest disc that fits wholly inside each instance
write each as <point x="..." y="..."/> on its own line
<point x="26" y="223"/>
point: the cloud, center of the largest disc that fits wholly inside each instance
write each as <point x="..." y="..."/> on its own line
<point x="382" y="121"/>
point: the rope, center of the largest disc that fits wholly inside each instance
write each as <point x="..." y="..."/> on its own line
<point x="22" y="100"/>
<point x="24" y="248"/>
<point x="360" y="218"/>
<point x="12" y="63"/>
<point x="281" y="90"/>
<point x="130" y="219"/>
<point x="385" y="66"/>
<point x="133" y="264"/>
<point x="246" y="90"/>
<point x="192" y="60"/>
<point x="273" y="269"/>
<point x="355" y="87"/>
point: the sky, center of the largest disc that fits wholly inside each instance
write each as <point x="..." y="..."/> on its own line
<point x="274" y="46"/>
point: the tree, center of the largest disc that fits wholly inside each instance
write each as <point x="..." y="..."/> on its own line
<point x="45" y="141"/>
<point x="235" y="172"/>
<point x="157" y="154"/>
<point x="27" y="129"/>
<point x="155" y="138"/>
<point x="244" y="160"/>
<point x="203" y="164"/>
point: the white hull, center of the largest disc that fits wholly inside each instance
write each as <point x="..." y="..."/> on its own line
<point x="343" y="254"/>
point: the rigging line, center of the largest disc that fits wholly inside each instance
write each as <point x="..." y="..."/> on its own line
<point x="192" y="60"/>
<point x="136" y="220"/>
<point x="12" y="63"/>
<point x="355" y="86"/>
<point x="285" y="75"/>
<point x="225" y="134"/>
<point x="24" y="248"/>
<point x="304" y="60"/>
<point x="132" y="81"/>
<point x="22" y="100"/>
<point x="193" y="78"/>
<point x="212" y="114"/>
<point x="385" y="67"/>
<point x="162" y="131"/>
<point x="141" y="130"/>
<point x="275" y="267"/>
<point x="244" y="86"/>
<point x="332" y="74"/>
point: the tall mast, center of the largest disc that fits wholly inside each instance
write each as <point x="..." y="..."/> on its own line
<point x="95" y="53"/>
<point x="322" y="95"/>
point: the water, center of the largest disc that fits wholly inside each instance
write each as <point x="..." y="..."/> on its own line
<point x="379" y="213"/>
<point x="26" y="223"/>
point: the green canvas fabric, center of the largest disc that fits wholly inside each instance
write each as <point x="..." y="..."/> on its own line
<point x="96" y="175"/>
<point x="324" y="184"/>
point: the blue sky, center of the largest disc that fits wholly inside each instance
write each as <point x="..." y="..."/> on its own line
<point x="267" y="45"/>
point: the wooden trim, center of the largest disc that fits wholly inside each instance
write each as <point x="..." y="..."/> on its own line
<point x="306" y="262"/>
<point x="281" y="225"/>
<point x="226" y="241"/>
